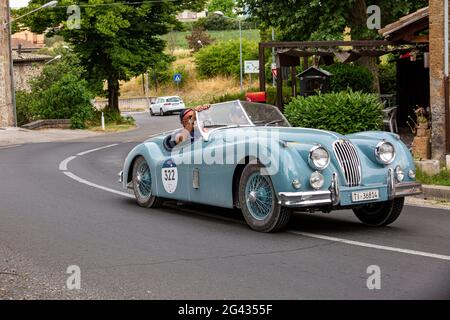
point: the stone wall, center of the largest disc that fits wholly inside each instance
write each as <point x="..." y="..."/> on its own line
<point x="24" y="72"/>
<point x="437" y="101"/>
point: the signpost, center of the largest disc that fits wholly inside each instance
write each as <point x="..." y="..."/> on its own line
<point x="251" y="66"/>
<point x="177" y="79"/>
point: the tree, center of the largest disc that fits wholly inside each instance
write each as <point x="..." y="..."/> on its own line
<point x="116" y="40"/>
<point x="226" y="6"/>
<point x="198" y="39"/>
<point x="303" y="20"/>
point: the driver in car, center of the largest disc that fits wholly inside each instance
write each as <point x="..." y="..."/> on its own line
<point x="187" y="119"/>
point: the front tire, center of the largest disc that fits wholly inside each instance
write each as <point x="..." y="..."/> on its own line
<point x="380" y="214"/>
<point x="259" y="203"/>
<point x="161" y="112"/>
<point x="142" y="185"/>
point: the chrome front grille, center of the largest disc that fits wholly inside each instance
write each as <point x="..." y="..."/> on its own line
<point x="349" y="161"/>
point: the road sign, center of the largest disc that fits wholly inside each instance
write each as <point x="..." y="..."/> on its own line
<point x="177" y="77"/>
<point x="251" y="66"/>
<point x="274" y="70"/>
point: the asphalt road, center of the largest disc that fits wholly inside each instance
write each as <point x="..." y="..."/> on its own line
<point x="49" y="221"/>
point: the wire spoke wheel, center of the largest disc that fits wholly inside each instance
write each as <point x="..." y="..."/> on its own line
<point x="259" y="196"/>
<point x="144" y="180"/>
<point x="258" y="201"/>
<point x="142" y="184"/>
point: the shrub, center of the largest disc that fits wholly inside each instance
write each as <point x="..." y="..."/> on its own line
<point x="111" y="116"/>
<point x="228" y="97"/>
<point x="388" y="78"/>
<point x="67" y="98"/>
<point x="222" y="58"/>
<point x="343" y="112"/>
<point x="349" y="77"/>
<point x="23" y="107"/>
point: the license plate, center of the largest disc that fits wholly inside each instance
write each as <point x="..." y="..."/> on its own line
<point x="365" y="195"/>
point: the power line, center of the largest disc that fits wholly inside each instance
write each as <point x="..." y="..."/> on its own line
<point x="117" y="3"/>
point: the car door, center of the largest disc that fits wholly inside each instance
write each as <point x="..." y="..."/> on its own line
<point x="210" y="181"/>
<point x="157" y="105"/>
<point x="173" y="174"/>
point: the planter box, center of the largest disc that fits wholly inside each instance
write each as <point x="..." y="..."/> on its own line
<point x="421" y="147"/>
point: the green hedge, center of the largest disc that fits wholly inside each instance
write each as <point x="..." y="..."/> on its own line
<point x="222" y="58"/>
<point x="343" y="112"/>
<point x="349" y="77"/>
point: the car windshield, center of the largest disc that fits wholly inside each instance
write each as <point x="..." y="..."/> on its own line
<point x="173" y="99"/>
<point x="222" y="115"/>
<point x="264" y="114"/>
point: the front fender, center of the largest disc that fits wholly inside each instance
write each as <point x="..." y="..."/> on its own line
<point x="151" y="153"/>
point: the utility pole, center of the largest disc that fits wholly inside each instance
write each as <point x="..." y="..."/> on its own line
<point x="7" y="112"/>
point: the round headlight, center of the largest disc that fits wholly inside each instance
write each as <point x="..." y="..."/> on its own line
<point x="319" y="158"/>
<point x="412" y="174"/>
<point x="385" y="152"/>
<point x="316" y="180"/>
<point x="399" y="173"/>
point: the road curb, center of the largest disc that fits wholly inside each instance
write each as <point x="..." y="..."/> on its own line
<point x="434" y="192"/>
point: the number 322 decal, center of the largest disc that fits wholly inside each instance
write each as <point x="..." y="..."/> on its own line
<point x="169" y="176"/>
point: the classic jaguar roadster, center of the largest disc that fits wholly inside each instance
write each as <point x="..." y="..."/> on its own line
<point x="246" y="155"/>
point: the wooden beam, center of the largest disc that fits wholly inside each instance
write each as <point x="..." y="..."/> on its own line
<point x="262" y="74"/>
<point x="417" y="39"/>
<point x="326" y="44"/>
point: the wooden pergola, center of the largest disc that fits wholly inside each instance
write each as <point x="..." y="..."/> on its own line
<point x="290" y="54"/>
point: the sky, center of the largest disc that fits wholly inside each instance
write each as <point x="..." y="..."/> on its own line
<point x="18" y="3"/>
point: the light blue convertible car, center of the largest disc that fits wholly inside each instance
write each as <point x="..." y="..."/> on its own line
<point x="246" y="155"/>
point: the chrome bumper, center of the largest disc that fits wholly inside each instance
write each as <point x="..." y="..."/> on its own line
<point x="407" y="189"/>
<point x="331" y="197"/>
<point x="120" y="174"/>
<point x="312" y="198"/>
<point x="304" y="199"/>
<point x="402" y="189"/>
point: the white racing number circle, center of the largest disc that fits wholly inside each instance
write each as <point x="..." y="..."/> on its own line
<point x="169" y="176"/>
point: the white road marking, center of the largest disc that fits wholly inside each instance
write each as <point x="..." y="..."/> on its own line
<point x="81" y="180"/>
<point x="65" y="162"/>
<point x="373" y="246"/>
<point x="96" y="149"/>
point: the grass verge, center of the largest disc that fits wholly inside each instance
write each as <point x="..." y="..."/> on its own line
<point x="112" y="127"/>
<point x="442" y="178"/>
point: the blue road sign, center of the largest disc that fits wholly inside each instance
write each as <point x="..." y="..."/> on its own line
<point x="177" y="77"/>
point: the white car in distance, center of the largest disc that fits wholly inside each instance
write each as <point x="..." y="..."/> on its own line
<point x="166" y="105"/>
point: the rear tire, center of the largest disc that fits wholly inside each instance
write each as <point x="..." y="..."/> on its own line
<point x="161" y="112"/>
<point x="380" y="214"/>
<point x="258" y="201"/>
<point x="151" y="113"/>
<point x="142" y="185"/>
